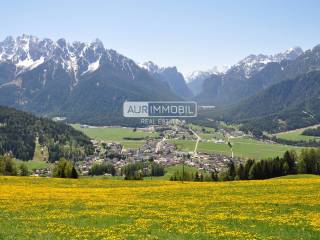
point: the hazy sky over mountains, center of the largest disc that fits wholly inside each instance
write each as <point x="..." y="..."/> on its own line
<point x="191" y="35"/>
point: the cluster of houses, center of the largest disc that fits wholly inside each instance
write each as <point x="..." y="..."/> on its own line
<point x="158" y="150"/>
<point x="41" y="172"/>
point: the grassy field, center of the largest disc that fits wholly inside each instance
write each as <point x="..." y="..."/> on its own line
<point x="116" y="134"/>
<point x="242" y="147"/>
<point x="113" y="133"/>
<point x="296" y="135"/>
<point x="298" y="176"/>
<point x="132" y="144"/>
<point x="199" y="128"/>
<point x="45" y="208"/>
<point x="33" y="164"/>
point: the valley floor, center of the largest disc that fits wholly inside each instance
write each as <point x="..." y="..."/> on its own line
<point x="243" y="147"/>
<point x="47" y="208"/>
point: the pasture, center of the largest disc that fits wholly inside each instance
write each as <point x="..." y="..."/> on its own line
<point x="296" y="135"/>
<point x="243" y="147"/>
<point x="116" y="134"/>
<point x="33" y="164"/>
<point x="48" y="208"/>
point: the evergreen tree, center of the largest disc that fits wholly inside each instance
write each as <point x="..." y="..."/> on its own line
<point x="74" y="173"/>
<point x="255" y="171"/>
<point x="247" y="168"/>
<point x="23" y="170"/>
<point x="231" y="172"/>
<point x="290" y="157"/>
<point x="241" y="175"/>
<point x="286" y="168"/>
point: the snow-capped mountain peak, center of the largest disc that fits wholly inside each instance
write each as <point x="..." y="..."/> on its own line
<point x="77" y="59"/>
<point x="217" y="70"/>
<point x="150" y="67"/>
<point x="197" y="75"/>
<point x="255" y="63"/>
<point x="289" y="54"/>
<point x="170" y="75"/>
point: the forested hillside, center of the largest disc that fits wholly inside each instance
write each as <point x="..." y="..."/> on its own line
<point x="19" y="130"/>
<point x="289" y="104"/>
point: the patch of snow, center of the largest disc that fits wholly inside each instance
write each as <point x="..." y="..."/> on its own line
<point x="37" y="63"/>
<point x="17" y="82"/>
<point x="255" y="63"/>
<point x="73" y="68"/>
<point x="92" y="66"/>
<point x="26" y="63"/>
<point x="29" y="64"/>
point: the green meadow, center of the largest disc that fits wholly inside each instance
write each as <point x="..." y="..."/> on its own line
<point x="51" y="208"/>
<point x="244" y="147"/>
<point x="117" y="134"/>
<point x="296" y="135"/>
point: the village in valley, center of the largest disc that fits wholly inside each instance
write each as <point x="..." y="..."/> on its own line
<point x="161" y="150"/>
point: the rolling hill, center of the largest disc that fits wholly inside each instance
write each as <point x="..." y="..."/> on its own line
<point x="19" y="130"/>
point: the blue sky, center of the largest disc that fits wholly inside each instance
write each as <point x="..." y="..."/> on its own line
<point x="192" y="35"/>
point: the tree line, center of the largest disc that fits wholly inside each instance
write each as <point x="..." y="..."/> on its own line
<point x="102" y="168"/>
<point x="62" y="169"/>
<point x="312" y="132"/>
<point x="311" y="143"/>
<point x="139" y="170"/>
<point x="131" y="171"/>
<point x="308" y="162"/>
<point x="180" y="175"/>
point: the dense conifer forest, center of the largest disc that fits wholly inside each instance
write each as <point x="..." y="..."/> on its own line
<point x="19" y="131"/>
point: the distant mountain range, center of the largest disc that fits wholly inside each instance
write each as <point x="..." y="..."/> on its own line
<point x="239" y="81"/>
<point x="290" y="104"/>
<point x="281" y="95"/>
<point x="83" y="82"/>
<point x="171" y="76"/>
<point x="196" y="79"/>
<point x="87" y="83"/>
